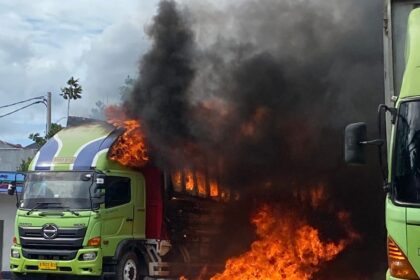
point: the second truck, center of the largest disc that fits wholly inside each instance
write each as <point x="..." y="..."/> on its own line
<point x="402" y="179"/>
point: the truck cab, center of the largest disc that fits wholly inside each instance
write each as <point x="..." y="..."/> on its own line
<point x="82" y="215"/>
<point x="402" y="176"/>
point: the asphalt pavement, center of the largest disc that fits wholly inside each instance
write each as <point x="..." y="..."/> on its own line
<point x="4" y="275"/>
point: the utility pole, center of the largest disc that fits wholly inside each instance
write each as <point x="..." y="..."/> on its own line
<point x="48" y="112"/>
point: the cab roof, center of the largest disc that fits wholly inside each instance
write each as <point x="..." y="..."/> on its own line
<point x="82" y="147"/>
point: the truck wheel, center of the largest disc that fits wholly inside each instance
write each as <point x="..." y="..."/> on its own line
<point x="128" y="267"/>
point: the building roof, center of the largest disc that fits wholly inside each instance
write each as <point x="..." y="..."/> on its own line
<point x="6" y="145"/>
<point x="33" y="146"/>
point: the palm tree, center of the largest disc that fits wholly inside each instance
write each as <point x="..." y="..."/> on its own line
<point x="72" y="91"/>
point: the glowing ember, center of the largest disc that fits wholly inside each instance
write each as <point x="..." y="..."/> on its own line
<point x="130" y="148"/>
<point x="214" y="188"/>
<point x="177" y="180"/>
<point x="225" y="194"/>
<point x="316" y="197"/>
<point x="201" y="184"/>
<point x="189" y="180"/>
<point x="287" y="248"/>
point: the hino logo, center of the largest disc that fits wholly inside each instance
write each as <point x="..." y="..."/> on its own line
<point x="49" y="231"/>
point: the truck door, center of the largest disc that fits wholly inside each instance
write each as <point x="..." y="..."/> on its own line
<point x="139" y="200"/>
<point x="117" y="218"/>
<point x="413" y="237"/>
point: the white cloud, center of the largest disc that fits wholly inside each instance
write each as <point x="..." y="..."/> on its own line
<point x="44" y="42"/>
<point x="112" y="57"/>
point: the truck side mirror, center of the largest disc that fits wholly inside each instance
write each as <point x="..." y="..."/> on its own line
<point x="355" y="138"/>
<point x="11" y="189"/>
<point x="99" y="191"/>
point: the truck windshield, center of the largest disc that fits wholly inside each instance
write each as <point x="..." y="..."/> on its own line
<point x="49" y="190"/>
<point x="406" y="178"/>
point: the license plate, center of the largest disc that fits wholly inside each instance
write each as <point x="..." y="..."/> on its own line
<point x="48" y="265"/>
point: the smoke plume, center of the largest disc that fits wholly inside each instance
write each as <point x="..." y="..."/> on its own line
<point x="260" y="92"/>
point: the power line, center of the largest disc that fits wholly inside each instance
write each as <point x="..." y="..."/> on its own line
<point x="21" y="108"/>
<point x="20" y="102"/>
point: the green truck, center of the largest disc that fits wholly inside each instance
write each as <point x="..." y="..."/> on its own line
<point x="83" y="215"/>
<point x="402" y="171"/>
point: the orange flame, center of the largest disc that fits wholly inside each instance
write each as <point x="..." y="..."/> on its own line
<point x="287" y="248"/>
<point x="130" y="148"/>
<point x="315" y="197"/>
<point x="214" y="188"/>
<point x="195" y="181"/>
<point x="189" y="180"/>
<point x="201" y="183"/>
<point x="177" y="180"/>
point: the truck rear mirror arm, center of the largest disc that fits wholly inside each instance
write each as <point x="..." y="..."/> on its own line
<point x="385" y="108"/>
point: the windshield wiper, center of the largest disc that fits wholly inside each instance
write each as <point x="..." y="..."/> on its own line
<point x="67" y="209"/>
<point x="40" y="204"/>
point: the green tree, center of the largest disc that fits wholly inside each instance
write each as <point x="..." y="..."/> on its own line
<point x="39" y="140"/>
<point x="24" y="165"/>
<point x="73" y="90"/>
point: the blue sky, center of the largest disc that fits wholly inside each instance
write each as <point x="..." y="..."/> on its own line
<point x="44" y="42"/>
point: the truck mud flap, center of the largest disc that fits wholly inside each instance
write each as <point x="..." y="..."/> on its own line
<point x="159" y="269"/>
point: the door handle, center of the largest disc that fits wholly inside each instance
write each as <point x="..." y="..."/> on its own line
<point x="129" y="220"/>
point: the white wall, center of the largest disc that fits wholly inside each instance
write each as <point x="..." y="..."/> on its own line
<point x="7" y="213"/>
<point x="10" y="159"/>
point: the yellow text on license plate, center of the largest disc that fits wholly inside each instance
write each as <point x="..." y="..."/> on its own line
<point x="48" y="265"/>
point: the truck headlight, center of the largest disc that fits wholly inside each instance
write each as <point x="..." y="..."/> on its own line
<point x="89" y="256"/>
<point x="15" y="254"/>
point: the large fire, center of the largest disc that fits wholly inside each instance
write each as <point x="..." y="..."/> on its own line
<point x="130" y="148"/>
<point x="287" y="248"/>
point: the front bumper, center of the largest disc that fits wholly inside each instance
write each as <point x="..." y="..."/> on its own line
<point x="70" y="267"/>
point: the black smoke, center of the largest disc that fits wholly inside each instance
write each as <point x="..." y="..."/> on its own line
<point x="260" y="92"/>
<point x="166" y="74"/>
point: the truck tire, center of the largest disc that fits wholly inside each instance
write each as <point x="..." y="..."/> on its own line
<point x="128" y="267"/>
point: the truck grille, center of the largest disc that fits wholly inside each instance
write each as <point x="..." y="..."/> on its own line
<point x="65" y="239"/>
<point x="57" y="255"/>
